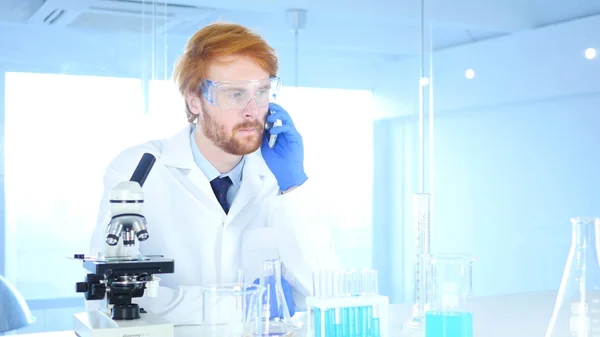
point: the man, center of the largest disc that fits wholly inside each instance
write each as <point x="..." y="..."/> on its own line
<point x="215" y="203"/>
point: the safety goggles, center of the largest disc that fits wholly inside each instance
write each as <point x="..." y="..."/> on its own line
<point x="236" y="95"/>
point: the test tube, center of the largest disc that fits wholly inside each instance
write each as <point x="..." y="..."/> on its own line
<point x="338" y="283"/>
<point x="318" y="279"/>
<point x="327" y="284"/>
<point x="369" y="279"/>
<point x="359" y="320"/>
<point x="368" y="315"/>
<point x="449" y="292"/>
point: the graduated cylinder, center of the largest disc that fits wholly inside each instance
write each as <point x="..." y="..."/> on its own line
<point x="422" y="231"/>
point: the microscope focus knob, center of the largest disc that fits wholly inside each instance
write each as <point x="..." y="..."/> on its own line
<point x="81" y="287"/>
<point x="92" y="288"/>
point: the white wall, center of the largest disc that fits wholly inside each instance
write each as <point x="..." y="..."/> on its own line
<point x="515" y="151"/>
<point x="533" y="65"/>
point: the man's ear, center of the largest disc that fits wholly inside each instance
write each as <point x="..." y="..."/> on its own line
<point x="194" y="103"/>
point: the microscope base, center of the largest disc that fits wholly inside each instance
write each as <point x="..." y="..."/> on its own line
<point x="98" y="324"/>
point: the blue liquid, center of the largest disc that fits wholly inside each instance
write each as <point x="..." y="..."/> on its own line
<point x="346" y="322"/>
<point x="448" y="324"/>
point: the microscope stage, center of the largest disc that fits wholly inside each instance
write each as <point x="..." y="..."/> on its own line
<point x="98" y="324"/>
<point x="116" y="266"/>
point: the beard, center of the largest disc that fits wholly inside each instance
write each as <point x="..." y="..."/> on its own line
<point x="235" y="143"/>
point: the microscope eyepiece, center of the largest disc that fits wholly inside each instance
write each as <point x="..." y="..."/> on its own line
<point x="143" y="169"/>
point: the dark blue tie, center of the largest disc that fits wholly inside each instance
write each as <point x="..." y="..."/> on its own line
<point x="220" y="186"/>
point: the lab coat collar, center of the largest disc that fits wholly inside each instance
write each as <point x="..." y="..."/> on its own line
<point x="253" y="175"/>
<point x="209" y="170"/>
<point x="177" y="152"/>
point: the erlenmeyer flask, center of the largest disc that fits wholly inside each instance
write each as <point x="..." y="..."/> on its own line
<point x="577" y="309"/>
<point x="275" y="309"/>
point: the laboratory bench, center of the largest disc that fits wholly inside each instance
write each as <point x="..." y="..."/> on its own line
<point x="515" y="315"/>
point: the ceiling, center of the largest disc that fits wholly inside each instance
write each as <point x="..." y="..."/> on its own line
<point x="377" y="26"/>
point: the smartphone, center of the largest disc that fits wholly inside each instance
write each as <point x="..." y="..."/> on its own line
<point x="268" y="126"/>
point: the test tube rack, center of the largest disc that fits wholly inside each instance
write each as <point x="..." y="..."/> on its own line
<point x="348" y="316"/>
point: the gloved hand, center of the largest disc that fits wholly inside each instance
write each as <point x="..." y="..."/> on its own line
<point x="287" y="293"/>
<point x="286" y="158"/>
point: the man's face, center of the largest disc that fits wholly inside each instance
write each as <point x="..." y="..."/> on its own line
<point x="237" y="130"/>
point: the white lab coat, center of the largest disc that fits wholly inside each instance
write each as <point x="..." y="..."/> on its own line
<point x="186" y="223"/>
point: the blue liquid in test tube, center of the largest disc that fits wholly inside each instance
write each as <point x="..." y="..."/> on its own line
<point x="317" y="322"/>
<point x="359" y="320"/>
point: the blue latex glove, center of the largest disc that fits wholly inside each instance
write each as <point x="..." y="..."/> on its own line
<point x="287" y="293"/>
<point x="286" y="158"/>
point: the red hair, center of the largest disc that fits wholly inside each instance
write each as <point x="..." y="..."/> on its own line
<point x="214" y="41"/>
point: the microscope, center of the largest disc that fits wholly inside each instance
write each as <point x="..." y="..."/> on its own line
<point x="118" y="277"/>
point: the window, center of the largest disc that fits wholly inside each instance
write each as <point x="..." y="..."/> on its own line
<point x="337" y="130"/>
<point x="62" y="131"/>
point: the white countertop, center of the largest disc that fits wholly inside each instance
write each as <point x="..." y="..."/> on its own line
<point x="517" y="315"/>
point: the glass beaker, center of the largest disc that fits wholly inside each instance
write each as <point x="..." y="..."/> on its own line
<point x="232" y="310"/>
<point x="274" y="306"/>
<point x="577" y="309"/>
<point x="448" y="311"/>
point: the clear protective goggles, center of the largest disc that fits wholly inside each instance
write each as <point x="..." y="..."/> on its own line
<point x="236" y="95"/>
